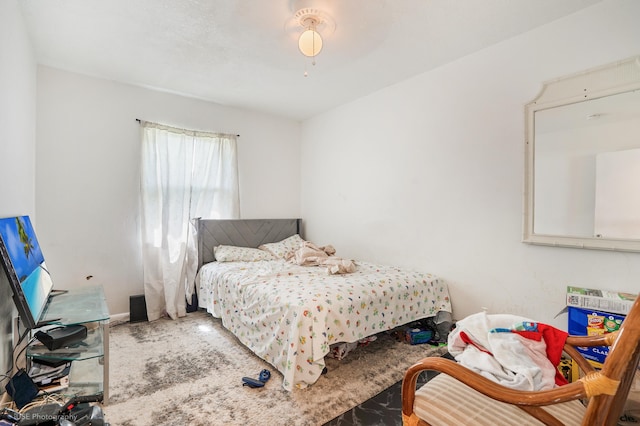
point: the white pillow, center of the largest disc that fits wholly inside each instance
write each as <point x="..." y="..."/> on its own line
<point x="240" y="254"/>
<point x="282" y="249"/>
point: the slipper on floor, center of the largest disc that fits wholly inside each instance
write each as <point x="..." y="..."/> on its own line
<point x="264" y="376"/>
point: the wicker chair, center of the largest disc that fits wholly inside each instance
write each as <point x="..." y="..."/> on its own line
<point x="460" y="396"/>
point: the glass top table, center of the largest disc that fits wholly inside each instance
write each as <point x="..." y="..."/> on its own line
<point x="76" y="306"/>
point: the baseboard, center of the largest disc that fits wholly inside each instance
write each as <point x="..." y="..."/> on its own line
<point x="116" y="319"/>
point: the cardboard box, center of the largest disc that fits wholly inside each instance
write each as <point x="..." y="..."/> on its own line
<point x="601" y="300"/>
<point x="576" y="373"/>
<point x="584" y="322"/>
<point x="565" y="367"/>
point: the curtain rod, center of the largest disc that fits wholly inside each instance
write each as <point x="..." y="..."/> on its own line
<point x="140" y="121"/>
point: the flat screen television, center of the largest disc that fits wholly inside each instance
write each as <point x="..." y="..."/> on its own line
<point x="24" y="265"/>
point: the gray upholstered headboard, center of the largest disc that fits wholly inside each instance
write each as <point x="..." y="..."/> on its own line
<point x="242" y="233"/>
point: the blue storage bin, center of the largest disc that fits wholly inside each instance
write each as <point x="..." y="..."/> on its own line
<point x="417" y="336"/>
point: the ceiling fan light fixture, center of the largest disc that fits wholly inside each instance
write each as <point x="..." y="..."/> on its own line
<point x="310" y="42"/>
<point x="308" y="24"/>
<point x="313" y="22"/>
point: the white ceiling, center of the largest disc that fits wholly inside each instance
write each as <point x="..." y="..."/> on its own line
<point x="244" y="53"/>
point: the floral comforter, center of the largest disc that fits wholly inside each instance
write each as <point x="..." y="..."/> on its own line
<point x="289" y="314"/>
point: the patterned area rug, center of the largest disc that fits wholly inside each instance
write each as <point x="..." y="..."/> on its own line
<point x="189" y="371"/>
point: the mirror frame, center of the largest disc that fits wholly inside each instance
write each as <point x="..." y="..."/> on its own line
<point x="618" y="77"/>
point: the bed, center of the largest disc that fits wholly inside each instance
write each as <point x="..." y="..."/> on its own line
<point x="291" y="315"/>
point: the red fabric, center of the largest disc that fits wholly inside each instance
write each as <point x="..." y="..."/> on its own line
<point x="555" y="340"/>
<point x="466" y="339"/>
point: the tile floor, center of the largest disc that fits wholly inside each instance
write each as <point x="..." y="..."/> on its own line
<point x="384" y="409"/>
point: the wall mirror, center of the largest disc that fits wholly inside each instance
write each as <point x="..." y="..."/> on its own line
<point x="582" y="166"/>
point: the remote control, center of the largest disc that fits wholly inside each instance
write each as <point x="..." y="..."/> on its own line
<point x="79" y="399"/>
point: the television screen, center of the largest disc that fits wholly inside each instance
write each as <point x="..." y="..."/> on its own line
<point x="24" y="265"/>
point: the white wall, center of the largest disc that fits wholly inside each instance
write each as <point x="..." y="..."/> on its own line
<point x="17" y="144"/>
<point x="88" y="153"/>
<point x="428" y="173"/>
<point x="17" y="114"/>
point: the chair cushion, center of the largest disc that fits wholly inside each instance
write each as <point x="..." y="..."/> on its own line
<point x="446" y="401"/>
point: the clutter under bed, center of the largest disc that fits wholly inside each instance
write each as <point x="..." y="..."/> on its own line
<point x="291" y="314"/>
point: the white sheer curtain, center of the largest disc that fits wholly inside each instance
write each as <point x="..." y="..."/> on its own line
<point x="185" y="174"/>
